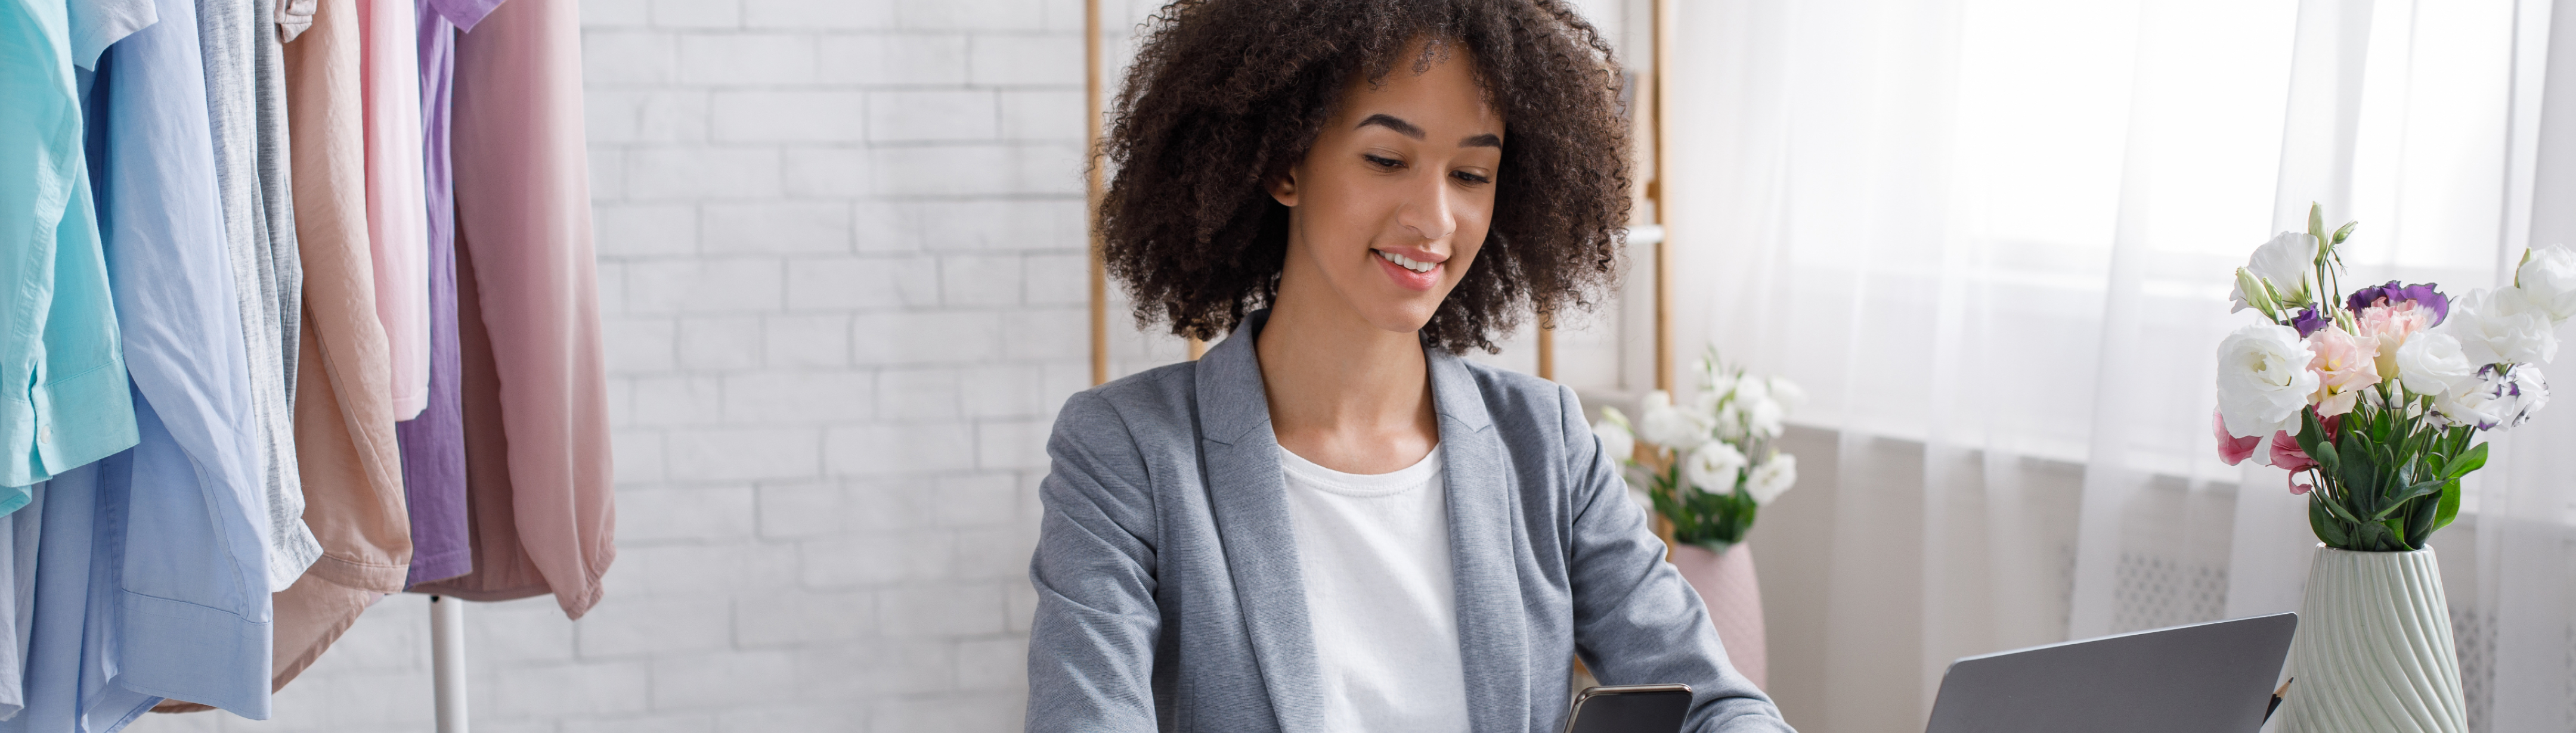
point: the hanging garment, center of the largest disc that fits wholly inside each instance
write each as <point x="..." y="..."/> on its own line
<point x="68" y="691"/>
<point x="277" y="187"/>
<point x="172" y="597"/>
<point x="66" y="400"/>
<point x="389" y="81"/>
<point x="97" y="24"/>
<point x="56" y="320"/>
<point x="292" y="17"/>
<point x="433" y="445"/>
<point x="344" y="423"/>
<point x="230" y="33"/>
<point x="25" y="529"/>
<point x="523" y="221"/>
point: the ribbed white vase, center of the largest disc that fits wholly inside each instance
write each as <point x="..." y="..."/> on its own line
<point x="2374" y="651"/>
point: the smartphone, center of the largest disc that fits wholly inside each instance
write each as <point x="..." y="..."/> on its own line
<point x="1630" y="709"/>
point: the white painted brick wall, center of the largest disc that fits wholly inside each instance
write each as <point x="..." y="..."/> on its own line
<point x="841" y="274"/>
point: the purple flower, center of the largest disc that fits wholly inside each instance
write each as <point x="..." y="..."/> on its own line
<point x="2423" y="295"/>
<point x="2308" y="321"/>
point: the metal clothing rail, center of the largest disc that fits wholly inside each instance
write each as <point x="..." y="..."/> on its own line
<point x="447" y="661"/>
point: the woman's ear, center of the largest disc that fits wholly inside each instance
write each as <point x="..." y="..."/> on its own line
<point x="1284" y="188"/>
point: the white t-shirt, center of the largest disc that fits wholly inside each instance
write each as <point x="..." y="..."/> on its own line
<point x="1374" y="551"/>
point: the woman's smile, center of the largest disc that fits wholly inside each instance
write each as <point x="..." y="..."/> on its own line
<point x="1412" y="269"/>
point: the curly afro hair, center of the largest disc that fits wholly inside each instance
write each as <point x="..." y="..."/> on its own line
<point x="1227" y="95"/>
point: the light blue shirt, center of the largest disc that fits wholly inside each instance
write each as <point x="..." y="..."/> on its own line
<point x="62" y="381"/>
<point x="171" y="599"/>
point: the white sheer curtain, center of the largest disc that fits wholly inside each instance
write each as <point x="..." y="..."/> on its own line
<point x="1994" y="237"/>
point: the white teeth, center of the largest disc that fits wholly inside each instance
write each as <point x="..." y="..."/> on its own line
<point x="1404" y="262"/>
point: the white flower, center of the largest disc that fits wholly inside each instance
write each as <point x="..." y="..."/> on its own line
<point x="2284" y="262"/>
<point x="1763" y="417"/>
<point x="1751" y="388"/>
<point x="2546" y="282"/>
<point x="1729" y="423"/>
<point x="1713" y="467"/>
<point x="1787" y="394"/>
<point x="1616" y="441"/>
<point x="1771" y="479"/>
<point x="1669" y="426"/>
<point x="2470" y="402"/>
<point x="2263" y="380"/>
<point x="2526" y="394"/>
<point x="2492" y="399"/>
<point x="2501" y="330"/>
<point x="2430" y="363"/>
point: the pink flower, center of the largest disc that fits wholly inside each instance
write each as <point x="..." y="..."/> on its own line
<point x="2400" y="319"/>
<point x="2287" y="455"/>
<point x="2344" y="365"/>
<point x="2389" y="326"/>
<point x="2232" y="449"/>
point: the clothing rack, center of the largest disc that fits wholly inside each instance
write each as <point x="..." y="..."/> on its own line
<point x="447" y="661"/>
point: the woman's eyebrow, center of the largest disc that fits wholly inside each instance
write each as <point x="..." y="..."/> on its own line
<point x="1391" y="122"/>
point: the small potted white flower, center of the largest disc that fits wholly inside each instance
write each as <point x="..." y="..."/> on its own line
<point x="1709" y="468"/>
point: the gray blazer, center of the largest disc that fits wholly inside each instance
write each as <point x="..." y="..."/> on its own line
<point x="1167" y="576"/>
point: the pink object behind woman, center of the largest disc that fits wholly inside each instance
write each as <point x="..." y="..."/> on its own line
<point x="1733" y="594"/>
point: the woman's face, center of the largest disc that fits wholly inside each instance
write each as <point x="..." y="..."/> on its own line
<point x="1391" y="204"/>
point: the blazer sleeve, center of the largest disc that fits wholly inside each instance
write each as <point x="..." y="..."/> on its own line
<point x="1636" y="621"/>
<point x="1091" y="645"/>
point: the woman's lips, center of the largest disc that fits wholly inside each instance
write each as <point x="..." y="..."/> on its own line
<point x="1408" y="279"/>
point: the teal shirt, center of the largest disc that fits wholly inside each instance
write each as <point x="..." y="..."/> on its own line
<point x="63" y="395"/>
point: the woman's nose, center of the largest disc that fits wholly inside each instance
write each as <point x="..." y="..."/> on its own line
<point x="1428" y="212"/>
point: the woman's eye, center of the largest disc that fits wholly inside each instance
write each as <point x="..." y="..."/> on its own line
<point x="1382" y="162"/>
<point x="1472" y="177"/>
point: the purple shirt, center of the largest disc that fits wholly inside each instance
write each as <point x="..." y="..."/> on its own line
<point x="433" y="444"/>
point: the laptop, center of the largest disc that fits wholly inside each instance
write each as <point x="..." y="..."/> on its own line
<point x="2215" y="677"/>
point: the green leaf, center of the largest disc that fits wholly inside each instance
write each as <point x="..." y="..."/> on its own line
<point x="2449" y="506"/>
<point x="2336" y="509"/>
<point x="2329" y="529"/>
<point x="2359" y="487"/>
<point x="2473" y="460"/>
<point x="2419" y="524"/>
<point x="2401" y="503"/>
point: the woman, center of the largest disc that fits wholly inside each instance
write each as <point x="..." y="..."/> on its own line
<point x="1331" y="522"/>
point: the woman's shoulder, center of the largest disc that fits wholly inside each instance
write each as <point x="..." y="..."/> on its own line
<point x="1519" y="402"/>
<point x="1151" y="403"/>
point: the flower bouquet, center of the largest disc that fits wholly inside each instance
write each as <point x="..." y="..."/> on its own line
<point x="2372" y="401"/>
<point x="2373" y="404"/>
<point x="1708" y="469"/>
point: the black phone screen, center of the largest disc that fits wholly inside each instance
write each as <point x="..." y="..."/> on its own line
<point x="1630" y="709"/>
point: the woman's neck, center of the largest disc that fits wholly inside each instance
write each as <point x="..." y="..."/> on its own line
<point x="1344" y="394"/>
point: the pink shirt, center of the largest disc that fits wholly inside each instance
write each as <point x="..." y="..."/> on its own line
<point x="533" y="368"/>
<point x="397" y="213"/>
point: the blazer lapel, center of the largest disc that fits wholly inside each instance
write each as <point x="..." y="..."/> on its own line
<point x="1493" y="643"/>
<point x="1249" y="497"/>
